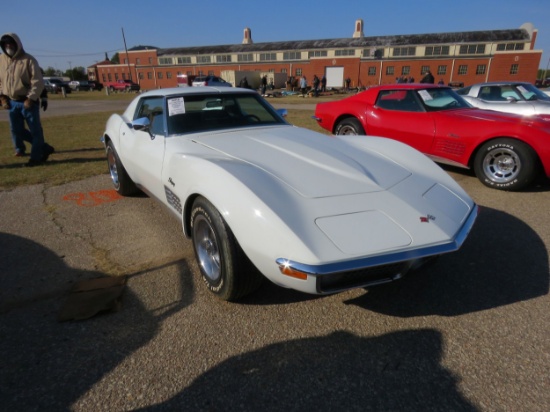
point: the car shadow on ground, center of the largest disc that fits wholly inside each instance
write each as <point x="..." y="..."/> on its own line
<point x="502" y="262"/>
<point x="49" y="365"/>
<point x="341" y="371"/>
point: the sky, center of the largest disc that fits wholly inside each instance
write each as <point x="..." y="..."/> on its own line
<point x="64" y="34"/>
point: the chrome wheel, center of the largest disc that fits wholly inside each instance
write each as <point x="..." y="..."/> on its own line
<point x="113" y="171"/>
<point x="506" y="164"/>
<point x="350" y="126"/>
<point x="206" y="247"/>
<point x="501" y="165"/>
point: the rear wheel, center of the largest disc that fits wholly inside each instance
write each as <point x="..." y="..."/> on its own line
<point x="226" y="270"/>
<point x="121" y="181"/>
<point x="506" y="164"/>
<point x="350" y="126"/>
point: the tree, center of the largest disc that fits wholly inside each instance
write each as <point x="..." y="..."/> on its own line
<point x="76" y="73"/>
<point x="51" y="72"/>
<point x="115" y="59"/>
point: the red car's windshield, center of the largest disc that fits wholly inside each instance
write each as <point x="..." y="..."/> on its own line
<point x="419" y="100"/>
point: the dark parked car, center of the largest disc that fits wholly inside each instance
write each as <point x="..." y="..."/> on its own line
<point x="95" y="85"/>
<point x="213" y="81"/>
<point x="55" y="86"/>
<point x="78" y="85"/>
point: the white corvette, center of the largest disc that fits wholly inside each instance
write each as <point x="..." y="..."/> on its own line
<point x="258" y="196"/>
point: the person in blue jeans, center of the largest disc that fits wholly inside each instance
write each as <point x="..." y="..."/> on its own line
<point x="21" y="85"/>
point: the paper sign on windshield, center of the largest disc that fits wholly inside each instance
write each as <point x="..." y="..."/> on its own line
<point x="176" y="106"/>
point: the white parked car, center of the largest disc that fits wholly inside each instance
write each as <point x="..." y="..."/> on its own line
<point x="512" y="97"/>
<point x="259" y="197"/>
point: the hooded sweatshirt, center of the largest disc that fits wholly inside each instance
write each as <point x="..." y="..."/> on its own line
<point x="20" y="74"/>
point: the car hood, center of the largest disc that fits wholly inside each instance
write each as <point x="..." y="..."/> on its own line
<point x="313" y="164"/>
<point x="488" y="115"/>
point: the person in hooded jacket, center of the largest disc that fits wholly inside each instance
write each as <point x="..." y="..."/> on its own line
<point x="21" y="85"/>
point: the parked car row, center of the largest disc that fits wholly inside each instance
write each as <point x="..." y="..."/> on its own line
<point x="84" y="85"/>
<point x="54" y="85"/>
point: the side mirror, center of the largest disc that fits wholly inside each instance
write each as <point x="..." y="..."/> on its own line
<point x="142" y="123"/>
<point x="282" y="112"/>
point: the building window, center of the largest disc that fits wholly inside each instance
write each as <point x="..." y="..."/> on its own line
<point x="249" y="57"/>
<point x="149" y="75"/>
<point x="264" y="57"/>
<point x="165" y="60"/>
<point x="437" y="51"/>
<point x="345" y="52"/>
<point x="168" y="75"/>
<point x="159" y="75"/>
<point x="204" y="59"/>
<point x="184" y="60"/>
<point x="317" y="53"/>
<point x="389" y="70"/>
<point x="405" y="70"/>
<point x="472" y="49"/>
<point x="372" y="71"/>
<point x="223" y="58"/>
<point x="294" y="55"/>
<point x="442" y="70"/>
<point x="481" y="68"/>
<point x="510" y="46"/>
<point x="189" y="73"/>
<point x="514" y="69"/>
<point x="368" y="52"/>
<point x="283" y="71"/>
<point x="138" y="61"/>
<point x="150" y="60"/>
<point x="116" y="76"/>
<point x="404" y="51"/>
<point x="463" y="69"/>
<point x="298" y="72"/>
<point x="211" y="72"/>
<point x="424" y="70"/>
<point x="140" y="75"/>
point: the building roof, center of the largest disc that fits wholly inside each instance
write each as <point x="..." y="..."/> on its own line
<point x="519" y="35"/>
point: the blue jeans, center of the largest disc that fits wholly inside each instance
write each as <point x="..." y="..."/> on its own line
<point x="18" y="116"/>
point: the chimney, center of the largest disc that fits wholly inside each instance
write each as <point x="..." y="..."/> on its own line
<point x="358" y="29"/>
<point x="247" y="39"/>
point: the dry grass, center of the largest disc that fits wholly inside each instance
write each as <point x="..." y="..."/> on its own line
<point x="78" y="151"/>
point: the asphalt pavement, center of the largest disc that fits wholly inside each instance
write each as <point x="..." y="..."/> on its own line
<point x="468" y="333"/>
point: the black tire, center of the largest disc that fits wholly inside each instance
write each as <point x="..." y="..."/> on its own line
<point x="350" y="126"/>
<point x="224" y="267"/>
<point x="506" y="164"/>
<point x="121" y="181"/>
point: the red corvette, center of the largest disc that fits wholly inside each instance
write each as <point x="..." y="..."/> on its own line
<point x="506" y="151"/>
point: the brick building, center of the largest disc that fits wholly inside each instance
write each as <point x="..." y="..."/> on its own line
<point x="459" y="57"/>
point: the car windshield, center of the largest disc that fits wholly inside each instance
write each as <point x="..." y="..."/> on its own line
<point x="208" y="112"/>
<point x="420" y="100"/>
<point x="528" y="92"/>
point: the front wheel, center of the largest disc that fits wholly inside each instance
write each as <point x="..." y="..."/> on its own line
<point x="506" y="164"/>
<point x="121" y="181"/>
<point x="350" y="126"/>
<point x="226" y="270"/>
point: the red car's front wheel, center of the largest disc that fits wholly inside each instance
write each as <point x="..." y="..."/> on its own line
<point x="506" y="164"/>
